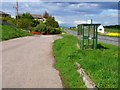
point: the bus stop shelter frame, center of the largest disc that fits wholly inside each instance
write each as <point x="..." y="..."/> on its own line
<point x="82" y="36"/>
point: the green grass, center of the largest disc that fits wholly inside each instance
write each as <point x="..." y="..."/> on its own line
<point x="101" y="64"/>
<point x="9" y="32"/>
<point x="74" y="29"/>
<point x="111" y="30"/>
<point x="62" y="30"/>
<point x="63" y="48"/>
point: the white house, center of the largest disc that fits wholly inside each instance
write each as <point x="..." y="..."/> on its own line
<point x="100" y="29"/>
<point x="39" y="17"/>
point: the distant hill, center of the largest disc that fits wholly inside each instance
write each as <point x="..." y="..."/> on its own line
<point x="113" y="26"/>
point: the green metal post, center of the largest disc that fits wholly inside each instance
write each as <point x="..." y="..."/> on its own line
<point x="93" y="36"/>
<point x="96" y="37"/>
<point x="82" y="37"/>
<point x="78" y="30"/>
<point x="88" y="36"/>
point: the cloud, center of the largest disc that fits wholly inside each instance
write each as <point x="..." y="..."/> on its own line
<point x="79" y="22"/>
<point x="27" y="5"/>
<point x="21" y="0"/>
<point x="69" y="13"/>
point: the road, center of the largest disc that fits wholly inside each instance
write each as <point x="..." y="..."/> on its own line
<point x="105" y="39"/>
<point x="28" y="62"/>
<point x="0" y="65"/>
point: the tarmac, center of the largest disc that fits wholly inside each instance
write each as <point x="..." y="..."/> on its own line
<point x="28" y="62"/>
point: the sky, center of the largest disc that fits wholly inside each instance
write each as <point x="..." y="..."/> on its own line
<point x="69" y="13"/>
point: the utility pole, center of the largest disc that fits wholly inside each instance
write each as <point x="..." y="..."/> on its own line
<point x="17" y="12"/>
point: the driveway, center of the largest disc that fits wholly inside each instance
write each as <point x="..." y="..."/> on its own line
<point x="28" y="62"/>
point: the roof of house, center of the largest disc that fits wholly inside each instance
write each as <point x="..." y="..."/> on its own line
<point x="36" y="16"/>
<point x="1" y="13"/>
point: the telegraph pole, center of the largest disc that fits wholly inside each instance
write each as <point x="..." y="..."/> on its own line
<point x="17" y="12"/>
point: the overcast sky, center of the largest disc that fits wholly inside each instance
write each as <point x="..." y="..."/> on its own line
<point x="69" y="13"/>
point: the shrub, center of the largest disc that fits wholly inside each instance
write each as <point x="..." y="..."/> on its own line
<point x="26" y="21"/>
<point x="41" y="28"/>
<point x="55" y="31"/>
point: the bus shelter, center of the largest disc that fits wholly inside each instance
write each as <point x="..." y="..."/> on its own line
<point x="88" y="35"/>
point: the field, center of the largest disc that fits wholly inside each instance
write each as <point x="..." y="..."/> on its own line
<point x="112" y="30"/>
<point x="101" y="64"/>
<point x="9" y="32"/>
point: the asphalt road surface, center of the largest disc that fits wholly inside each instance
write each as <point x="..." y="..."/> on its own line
<point x="105" y="39"/>
<point x="28" y="62"/>
<point x="0" y="65"/>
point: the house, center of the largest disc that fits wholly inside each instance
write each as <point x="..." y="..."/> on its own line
<point x="39" y="17"/>
<point x="3" y="14"/>
<point x="36" y="17"/>
<point x="100" y="29"/>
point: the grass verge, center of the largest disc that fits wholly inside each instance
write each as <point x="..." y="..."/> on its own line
<point x="9" y="32"/>
<point x="63" y="48"/>
<point x="101" y="64"/>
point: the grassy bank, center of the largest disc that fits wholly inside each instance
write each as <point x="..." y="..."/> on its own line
<point x="63" y="49"/>
<point x="9" y="32"/>
<point x="101" y="64"/>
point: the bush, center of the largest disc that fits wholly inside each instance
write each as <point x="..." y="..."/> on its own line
<point x="55" y="31"/>
<point x="41" y="28"/>
<point x="26" y="21"/>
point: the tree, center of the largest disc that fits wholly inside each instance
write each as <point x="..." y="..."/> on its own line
<point x="26" y="15"/>
<point x="35" y="23"/>
<point x="46" y="15"/>
<point x="26" y="21"/>
<point x="41" y="28"/>
<point x="50" y="21"/>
